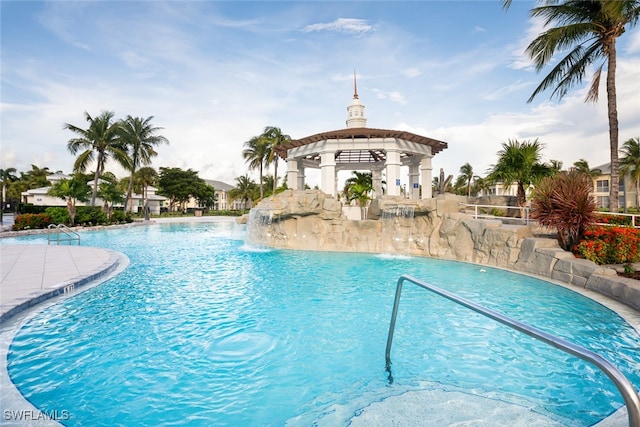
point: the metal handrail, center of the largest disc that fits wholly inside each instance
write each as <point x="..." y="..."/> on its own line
<point x="59" y="229"/>
<point x="477" y="214"/>
<point x="629" y="394"/>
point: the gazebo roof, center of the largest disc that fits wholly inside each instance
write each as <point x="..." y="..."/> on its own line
<point x="362" y="133"/>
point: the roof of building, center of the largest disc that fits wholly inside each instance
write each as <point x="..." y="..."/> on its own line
<point x="219" y="185"/>
<point x="363" y="133"/>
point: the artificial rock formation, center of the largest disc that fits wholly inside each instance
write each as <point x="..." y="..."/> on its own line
<point x="438" y="228"/>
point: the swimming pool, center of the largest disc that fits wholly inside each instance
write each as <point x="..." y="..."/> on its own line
<point x="204" y="330"/>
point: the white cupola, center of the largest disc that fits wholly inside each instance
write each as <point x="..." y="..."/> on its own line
<point x="355" y="111"/>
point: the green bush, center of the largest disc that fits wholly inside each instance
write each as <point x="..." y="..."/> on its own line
<point x="120" y="216"/>
<point x="31" y="221"/>
<point x="90" y="215"/>
<point x="59" y="215"/>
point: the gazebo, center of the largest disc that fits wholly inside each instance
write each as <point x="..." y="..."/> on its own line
<point x="361" y="148"/>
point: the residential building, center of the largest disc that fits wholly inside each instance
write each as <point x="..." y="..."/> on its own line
<point x="627" y="197"/>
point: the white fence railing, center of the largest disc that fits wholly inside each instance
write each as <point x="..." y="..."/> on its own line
<point x="480" y="212"/>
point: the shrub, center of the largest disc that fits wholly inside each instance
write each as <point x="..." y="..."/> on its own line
<point x="563" y="202"/>
<point x="31" y="221"/>
<point x="610" y="245"/>
<point x="90" y="215"/>
<point x="120" y="216"/>
<point x="613" y="219"/>
<point x="59" y="215"/>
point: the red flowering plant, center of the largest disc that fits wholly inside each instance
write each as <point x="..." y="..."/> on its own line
<point x="610" y="245"/>
<point x="564" y="202"/>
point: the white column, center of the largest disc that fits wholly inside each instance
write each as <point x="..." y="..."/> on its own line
<point x="376" y="177"/>
<point x="328" y="173"/>
<point x="414" y="181"/>
<point x="301" y="176"/>
<point x="426" y="177"/>
<point x="393" y="172"/>
<point x="292" y="174"/>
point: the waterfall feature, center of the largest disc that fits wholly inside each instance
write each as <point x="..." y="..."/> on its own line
<point x="397" y="228"/>
<point x="262" y="225"/>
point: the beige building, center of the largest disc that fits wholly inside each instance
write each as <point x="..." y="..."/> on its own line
<point x="627" y="196"/>
<point x="40" y="197"/>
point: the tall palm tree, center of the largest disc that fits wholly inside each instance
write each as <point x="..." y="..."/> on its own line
<point x="466" y="172"/>
<point x="587" y="30"/>
<point x="630" y="163"/>
<point x="139" y="137"/>
<point x="520" y="163"/>
<point x="256" y="153"/>
<point x="275" y="138"/>
<point x="100" y="141"/>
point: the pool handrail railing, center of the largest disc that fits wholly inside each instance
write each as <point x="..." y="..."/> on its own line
<point x="628" y="392"/>
<point x="59" y="229"/>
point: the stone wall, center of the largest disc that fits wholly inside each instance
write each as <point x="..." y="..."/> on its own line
<point x="438" y="228"/>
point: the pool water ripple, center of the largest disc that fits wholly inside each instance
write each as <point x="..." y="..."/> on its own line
<point x="203" y="329"/>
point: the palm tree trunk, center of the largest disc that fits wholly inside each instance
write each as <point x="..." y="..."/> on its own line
<point x="96" y="176"/>
<point x="610" y="48"/>
<point x="275" y="175"/>
<point x="129" y="201"/>
<point x="261" y="191"/>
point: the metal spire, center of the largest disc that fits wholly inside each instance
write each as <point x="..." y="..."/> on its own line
<point x="355" y="86"/>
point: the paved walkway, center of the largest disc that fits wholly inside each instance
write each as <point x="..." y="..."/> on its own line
<point x="30" y="274"/>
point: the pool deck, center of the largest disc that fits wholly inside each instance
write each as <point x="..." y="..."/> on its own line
<point x="32" y="274"/>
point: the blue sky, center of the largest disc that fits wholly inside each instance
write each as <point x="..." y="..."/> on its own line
<point x="214" y="74"/>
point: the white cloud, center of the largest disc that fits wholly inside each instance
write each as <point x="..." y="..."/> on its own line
<point x="342" y="25"/>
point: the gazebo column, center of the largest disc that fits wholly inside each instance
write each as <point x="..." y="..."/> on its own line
<point x="293" y="181"/>
<point x="376" y="177"/>
<point x="301" y="175"/>
<point x="414" y="181"/>
<point x="328" y="172"/>
<point x="425" y="173"/>
<point x="393" y="172"/>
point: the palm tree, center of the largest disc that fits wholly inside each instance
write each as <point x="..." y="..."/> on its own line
<point x="275" y="138"/>
<point x="139" y="137"/>
<point x="583" y="166"/>
<point x="7" y="176"/>
<point x="72" y="190"/>
<point x="244" y="190"/>
<point x="100" y="141"/>
<point x="588" y="31"/>
<point x="359" y="188"/>
<point x="256" y="154"/>
<point x="145" y="177"/>
<point x="630" y="163"/>
<point x="466" y="172"/>
<point x="520" y="163"/>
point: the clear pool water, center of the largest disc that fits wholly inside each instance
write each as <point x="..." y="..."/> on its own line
<point x="202" y="329"/>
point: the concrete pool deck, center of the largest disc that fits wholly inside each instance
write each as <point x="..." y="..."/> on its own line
<point x="32" y="274"/>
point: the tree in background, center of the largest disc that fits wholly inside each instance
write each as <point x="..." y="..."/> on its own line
<point x="7" y="177"/>
<point x="145" y="177"/>
<point x="586" y="31"/>
<point x="244" y="190"/>
<point x="520" y="163"/>
<point x="359" y="188"/>
<point x="466" y="173"/>
<point x="583" y="166"/>
<point x="275" y="138"/>
<point x="100" y="141"/>
<point x="140" y="138"/>
<point x="630" y="163"/>
<point x="110" y="191"/>
<point x="179" y="186"/>
<point x="72" y="190"/>
<point x="256" y="153"/>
